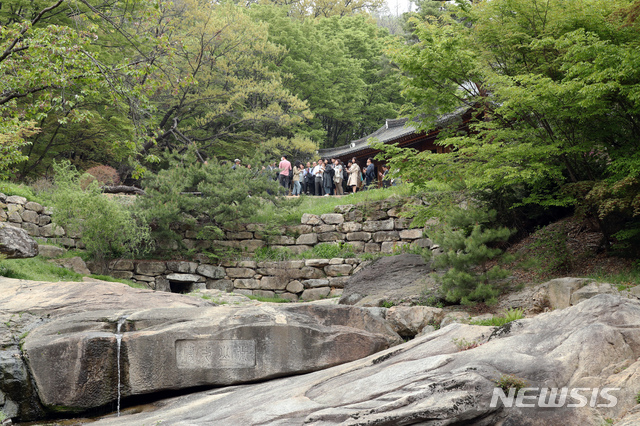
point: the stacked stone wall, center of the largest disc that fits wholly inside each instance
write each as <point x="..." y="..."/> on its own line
<point x="36" y="220"/>
<point x="294" y="280"/>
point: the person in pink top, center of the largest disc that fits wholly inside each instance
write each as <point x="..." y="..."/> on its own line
<point x="285" y="172"/>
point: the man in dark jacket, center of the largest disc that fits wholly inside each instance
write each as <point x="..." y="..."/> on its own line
<point x="370" y="173"/>
<point x="327" y="177"/>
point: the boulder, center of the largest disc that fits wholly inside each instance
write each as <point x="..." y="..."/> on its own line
<point x="591" y="290"/>
<point x="559" y="290"/>
<point x="15" y="243"/>
<point x="430" y="381"/>
<point x="388" y="278"/>
<point x="73" y="360"/>
<point x="121" y="265"/>
<point x="240" y="272"/>
<point x="16" y="199"/>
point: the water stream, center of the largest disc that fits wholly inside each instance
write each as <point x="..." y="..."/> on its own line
<point x="119" y="343"/>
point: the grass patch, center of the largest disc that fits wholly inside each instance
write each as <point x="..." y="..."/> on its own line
<point x="629" y="278"/>
<point x="287" y="215"/>
<point x="269" y="299"/>
<point x="272" y="254"/>
<point x="36" y="269"/>
<point x="509" y="316"/>
<point x="328" y="251"/>
<point x="9" y="188"/>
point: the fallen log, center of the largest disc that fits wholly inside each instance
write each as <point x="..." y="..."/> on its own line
<point x="122" y="189"/>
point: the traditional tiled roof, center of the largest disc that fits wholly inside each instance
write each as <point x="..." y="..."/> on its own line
<point x="391" y="131"/>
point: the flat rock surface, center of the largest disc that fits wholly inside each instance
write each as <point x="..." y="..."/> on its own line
<point x="430" y="381"/>
<point x="388" y="278"/>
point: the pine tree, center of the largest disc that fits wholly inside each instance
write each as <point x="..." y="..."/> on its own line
<point x="465" y="240"/>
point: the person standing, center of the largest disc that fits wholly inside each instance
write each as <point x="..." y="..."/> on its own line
<point x="384" y="176"/>
<point x="327" y="177"/>
<point x="354" y="176"/>
<point x="317" y="178"/>
<point x="337" y="177"/>
<point x="310" y="179"/>
<point x="297" y="170"/>
<point x="370" y="173"/>
<point x="285" y="172"/>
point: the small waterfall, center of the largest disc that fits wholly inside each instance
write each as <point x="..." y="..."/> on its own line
<point x="119" y="343"/>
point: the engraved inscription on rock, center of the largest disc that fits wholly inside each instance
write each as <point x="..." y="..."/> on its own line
<point x="205" y="353"/>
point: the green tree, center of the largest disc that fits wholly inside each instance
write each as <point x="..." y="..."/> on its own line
<point x="465" y="241"/>
<point x="207" y="197"/>
<point x="337" y="66"/>
<point x="220" y="89"/>
<point x="556" y="86"/>
<point x="67" y="75"/>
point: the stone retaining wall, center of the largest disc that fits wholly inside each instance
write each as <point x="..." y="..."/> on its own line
<point x="36" y="220"/>
<point x="371" y="228"/>
<point x="309" y="279"/>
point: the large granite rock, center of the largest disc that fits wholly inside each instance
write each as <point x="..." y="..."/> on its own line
<point x="15" y="243"/>
<point x="430" y="381"/>
<point x="73" y="360"/>
<point x="26" y="305"/>
<point x="389" y="278"/>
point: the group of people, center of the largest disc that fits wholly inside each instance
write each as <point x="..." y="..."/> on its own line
<point x="329" y="176"/>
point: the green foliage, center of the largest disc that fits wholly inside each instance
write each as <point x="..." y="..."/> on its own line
<point x="36" y="269"/>
<point x="387" y="303"/>
<point x="9" y="188"/>
<point x="465" y="241"/>
<point x="557" y="102"/>
<point x="208" y="197"/>
<point x="509" y="316"/>
<point x="508" y="381"/>
<point x="337" y="66"/>
<point x="108" y="228"/>
<point x="272" y="254"/>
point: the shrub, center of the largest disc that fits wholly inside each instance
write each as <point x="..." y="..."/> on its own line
<point x="508" y="381"/>
<point x="211" y="197"/>
<point x="466" y="241"/>
<point x="105" y="175"/>
<point x="108" y="229"/>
